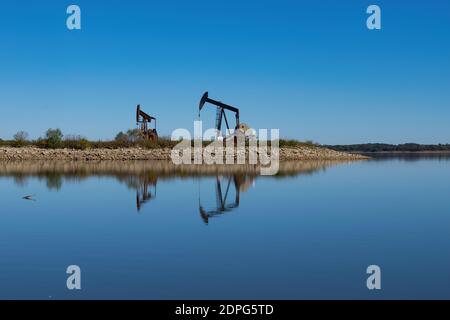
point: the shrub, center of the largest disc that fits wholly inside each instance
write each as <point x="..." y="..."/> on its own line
<point x="121" y="137"/>
<point x="134" y="135"/>
<point x="295" y="143"/>
<point x="41" y="143"/>
<point x="54" y="138"/>
<point x="20" y="138"/>
<point x="76" y="142"/>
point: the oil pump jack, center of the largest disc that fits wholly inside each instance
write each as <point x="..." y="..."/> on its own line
<point x="142" y="120"/>
<point x="220" y="111"/>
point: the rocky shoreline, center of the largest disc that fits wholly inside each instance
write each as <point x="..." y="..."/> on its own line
<point x="33" y="153"/>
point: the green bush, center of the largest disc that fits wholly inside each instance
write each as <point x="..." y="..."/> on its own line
<point x="54" y="138"/>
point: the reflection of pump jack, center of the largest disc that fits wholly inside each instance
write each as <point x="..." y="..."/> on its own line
<point x="222" y="206"/>
<point x="143" y="194"/>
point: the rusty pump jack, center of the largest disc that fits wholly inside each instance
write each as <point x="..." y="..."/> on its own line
<point x="220" y="112"/>
<point x="142" y="120"/>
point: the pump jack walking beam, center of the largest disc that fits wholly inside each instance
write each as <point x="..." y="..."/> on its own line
<point x="221" y="107"/>
<point x="142" y="117"/>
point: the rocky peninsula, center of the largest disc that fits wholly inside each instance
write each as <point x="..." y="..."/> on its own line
<point x="123" y="154"/>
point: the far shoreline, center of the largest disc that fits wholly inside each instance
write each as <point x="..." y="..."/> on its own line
<point x="437" y="152"/>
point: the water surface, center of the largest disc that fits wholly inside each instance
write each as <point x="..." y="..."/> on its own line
<point x="144" y="231"/>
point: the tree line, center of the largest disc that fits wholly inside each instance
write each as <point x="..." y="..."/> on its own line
<point x="55" y="139"/>
<point x="383" y="147"/>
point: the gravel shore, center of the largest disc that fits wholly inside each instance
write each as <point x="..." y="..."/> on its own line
<point x="33" y="153"/>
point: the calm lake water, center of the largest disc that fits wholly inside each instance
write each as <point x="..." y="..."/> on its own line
<point x="139" y="233"/>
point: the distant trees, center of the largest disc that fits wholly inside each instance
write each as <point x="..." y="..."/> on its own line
<point x="382" y="147"/>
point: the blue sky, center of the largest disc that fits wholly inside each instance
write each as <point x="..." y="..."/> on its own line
<point x="310" y="68"/>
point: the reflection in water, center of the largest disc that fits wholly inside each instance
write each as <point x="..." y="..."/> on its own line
<point x="223" y="205"/>
<point x="143" y="192"/>
<point x="29" y="197"/>
<point x="408" y="156"/>
<point x="277" y="240"/>
<point x="142" y="176"/>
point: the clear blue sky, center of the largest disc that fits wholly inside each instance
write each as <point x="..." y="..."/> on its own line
<point x="310" y="68"/>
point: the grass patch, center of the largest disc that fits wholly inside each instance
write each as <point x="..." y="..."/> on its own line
<point x="291" y="143"/>
<point x="54" y="139"/>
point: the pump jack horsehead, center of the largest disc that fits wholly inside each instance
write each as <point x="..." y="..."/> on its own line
<point x="142" y="120"/>
<point x="240" y="128"/>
